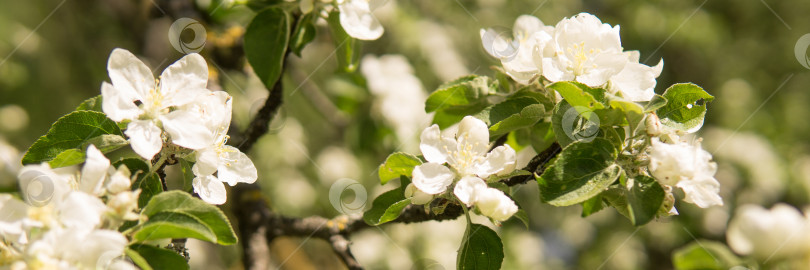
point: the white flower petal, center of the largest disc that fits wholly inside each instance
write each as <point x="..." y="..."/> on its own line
<point x="434" y="146"/>
<point x="474" y="134"/>
<point x="187" y="129"/>
<point x="765" y="234"/>
<point x="207" y="162"/>
<point x="494" y="204"/>
<point x="144" y="138"/>
<point x="183" y="80"/>
<point x="11" y="221"/>
<point x="94" y="171"/>
<point x="702" y="191"/>
<point x="129" y="75"/>
<point x="236" y="167"/>
<point x="117" y="104"/>
<point x="467" y="188"/>
<point x="99" y="249"/>
<point x="501" y="160"/>
<point x="80" y="210"/>
<point x="119" y="180"/>
<point x="432" y="178"/>
<point x="358" y="21"/>
<point x="210" y="189"/>
<point x="39" y="184"/>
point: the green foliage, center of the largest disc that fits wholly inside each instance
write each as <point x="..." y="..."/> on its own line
<point x="577" y="94"/>
<point x="632" y="112"/>
<point x="480" y="249"/>
<point x="461" y="97"/>
<point x="175" y="214"/>
<point x="91" y="104"/>
<point x="581" y="171"/>
<point x="396" y="165"/>
<point x="304" y="33"/>
<point x="705" y="255"/>
<point x="685" y="107"/>
<point x="72" y="131"/>
<point x="347" y="48"/>
<point x="149" y="257"/>
<point x="638" y="198"/>
<point x="512" y="114"/>
<point x="388" y="206"/>
<point x="266" y="40"/>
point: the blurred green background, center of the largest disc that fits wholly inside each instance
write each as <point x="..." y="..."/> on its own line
<point x="54" y="56"/>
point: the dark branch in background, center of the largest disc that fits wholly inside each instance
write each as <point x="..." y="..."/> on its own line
<point x="261" y="123"/>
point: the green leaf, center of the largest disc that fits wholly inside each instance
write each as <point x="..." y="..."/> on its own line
<point x="388" y="206"/>
<point x="347" y="48"/>
<point x="137" y="259"/>
<point x="104" y="143"/>
<point x="304" y="33"/>
<point x="685" y="107"/>
<point x="175" y="214"/>
<point x="633" y="112"/>
<point x="542" y="136"/>
<point x="481" y="249"/>
<point x="644" y="199"/>
<point x="188" y="175"/>
<point x="581" y="171"/>
<point x="91" y="104"/>
<point x="69" y="157"/>
<point x="705" y="255"/>
<point x="580" y="95"/>
<point x="511" y="115"/>
<point x="592" y="206"/>
<point x="70" y="132"/>
<point x="464" y="95"/>
<point x="158" y="258"/>
<point x="655" y="103"/>
<point x="523" y="217"/>
<point x="149" y="185"/>
<point x="396" y="165"/>
<point x="266" y="39"/>
<point x="574" y="123"/>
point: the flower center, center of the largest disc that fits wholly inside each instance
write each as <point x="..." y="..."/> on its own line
<point x="465" y="156"/>
<point x="153" y="103"/>
<point x="580" y="57"/>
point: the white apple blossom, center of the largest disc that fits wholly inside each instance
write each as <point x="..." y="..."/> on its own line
<point x="466" y="153"/>
<point x="585" y="50"/>
<point x="231" y="165"/>
<point x="65" y="208"/>
<point x="636" y="82"/>
<point x="357" y="19"/>
<point x="400" y="97"/>
<point x="468" y="164"/>
<point x="517" y="54"/>
<point x="766" y="234"/>
<point x="491" y="202"/>
<point x="151" y="104"/>
<point x="689" y="167"/>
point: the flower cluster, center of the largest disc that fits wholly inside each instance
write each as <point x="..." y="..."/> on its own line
<point x="779" y="233"/>
<point x="580" y="48"/>
<point x="462" y="159"/>
<point x="177" y="110"/>
<point x="65" y="207"/>
<point x="683" y="164"/>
